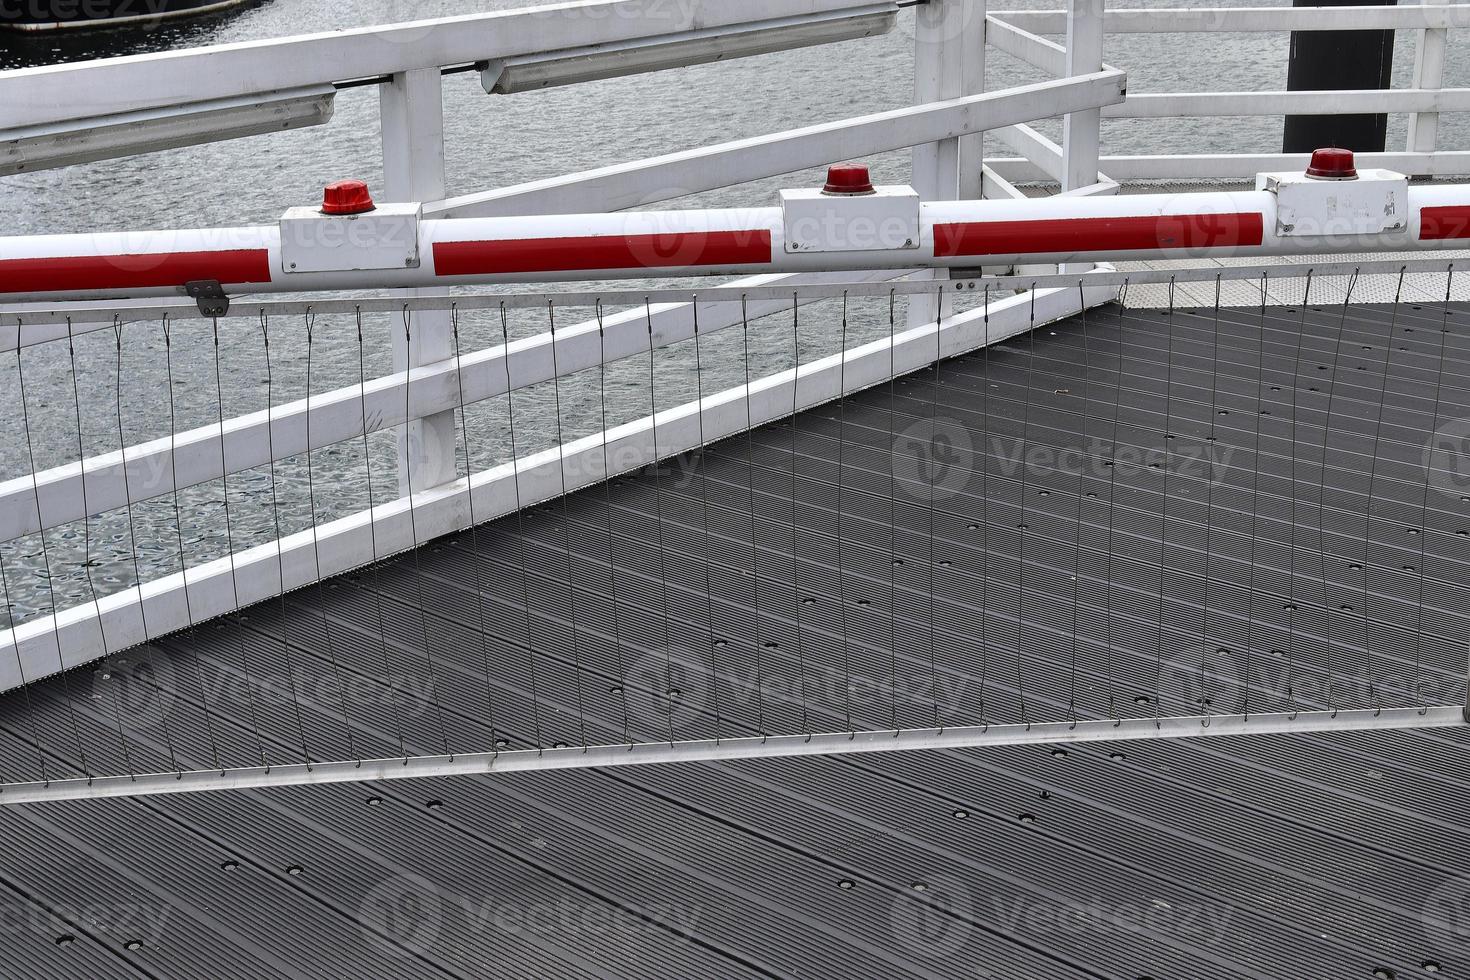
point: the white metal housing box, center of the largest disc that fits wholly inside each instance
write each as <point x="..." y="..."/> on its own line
<point x="1376" y="202"/>
<point x="381" y="239"/>
<point x="882" y="221"/>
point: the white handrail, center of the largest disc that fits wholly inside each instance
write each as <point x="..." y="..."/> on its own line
<point x="1300" y="102"/>
<point x="33" y="96"/>
<point x="1249" y="20"/>
<point x="642" y="183"/>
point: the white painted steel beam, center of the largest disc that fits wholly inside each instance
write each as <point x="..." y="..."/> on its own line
<point x="646" y="182"/>
<point x="1039" y="151"/>
<point x="972" y="82"/>
<point x="943" y="45"/>
<point x="33" y="96"/>
<point x="1082" y="130"/>
<point x="86" y="633"/>
<point x="197" y="456"/>
<point x="1429" y="59"/>
<point x="86" y="140"/>
<point x="730" y="749"/>
<point x="411" y="106"/>
<point x="1034" y="50"/>
<point x="549" y="69"/>
<point x="1248" y="19"/>
<point x="1239" y="166"/>
<point x="994" y="187"/>
<point x="1308" y="103"/>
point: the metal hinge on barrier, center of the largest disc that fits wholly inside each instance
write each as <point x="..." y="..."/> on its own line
<point x="210" y="295"/>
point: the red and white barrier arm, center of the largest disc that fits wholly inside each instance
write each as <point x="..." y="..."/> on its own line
<point x="391" y="247"/>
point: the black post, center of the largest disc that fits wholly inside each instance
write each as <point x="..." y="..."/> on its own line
<point x="1332" y="60"/>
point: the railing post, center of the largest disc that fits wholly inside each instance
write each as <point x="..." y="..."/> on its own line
<point x="1082" y="131"/>
<point x="1429" y="56"/>
<point x="949" y="63"/>
<point x="412" y="108"/>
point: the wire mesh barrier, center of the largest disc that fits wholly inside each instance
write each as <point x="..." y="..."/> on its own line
<point x="1133" y="522"/>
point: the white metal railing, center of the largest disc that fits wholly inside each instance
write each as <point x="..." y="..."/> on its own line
<point x="1019" y="34"/>
<point x="137" y="104"/>
<point x="160" y="468"/>
<point x="431" y="378"/>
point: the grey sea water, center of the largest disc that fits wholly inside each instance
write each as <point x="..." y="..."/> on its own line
<point x="148" y="385"/>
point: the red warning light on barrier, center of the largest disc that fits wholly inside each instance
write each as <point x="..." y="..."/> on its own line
<point x="1332" y="163"/>
<point x="347" y="197"/>
<point x="849" y="180"/>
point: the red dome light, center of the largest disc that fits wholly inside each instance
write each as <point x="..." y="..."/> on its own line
<point x="347" y="197"/>
<point x="1332" y="163"/>
<point x="849" y="180"/>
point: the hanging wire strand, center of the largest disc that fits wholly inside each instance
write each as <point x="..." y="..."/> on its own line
<point x="1423" y="529"/>
<point x="1022" y="525"/>
<point x="658" y="496"/>
<point x="933" y="479"/>
<point x="1206" y="707"/>
<point x="469" y="492"/>
<point x="377" y="583"/>
<point x="316" y="556"/>
<point x="1322" y="496"/>
<point x="50" y="575"/>
<point x="122" y="449"/>
<point x="1077" y="523"/>
<point x="984" y="526"/>
<point x="795" y="501"/>
<point x="1291" y="603"/>
<point x="893" y="558"/>
<point x="755" y="572"/>
<point x="1250" y="640"/>
<point x="1164" y="512"/>
<point x="515" y="465"/>
<point x="612" y="559"/>
<point x="841" y="526"/>
<point x="280" y="558"/>
<point x="1373" y="699"/>
<point x="224" y="468"/>
<point x="406" y="460"/>
<point x="703" y="472"/>
<point x="1111" y="465"/>
<point x="76" y="395"/>
<point x="566" y="524"/>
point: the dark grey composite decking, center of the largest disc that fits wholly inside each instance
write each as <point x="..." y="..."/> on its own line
<point x="1317" y="856"/>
